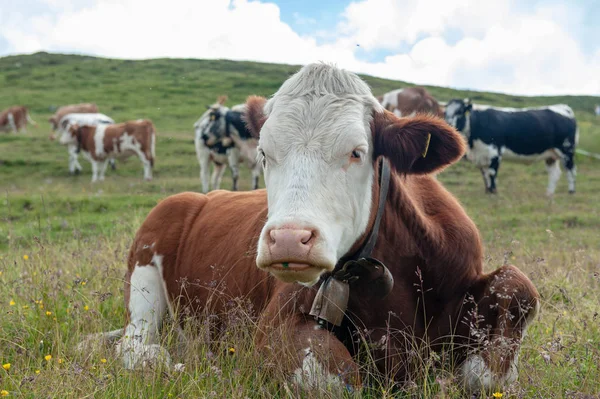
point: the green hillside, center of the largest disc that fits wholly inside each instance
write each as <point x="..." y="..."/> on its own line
<point x="64" y="241"/>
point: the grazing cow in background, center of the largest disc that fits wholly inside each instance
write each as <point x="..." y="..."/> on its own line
<point x="350" y="207"/>
<point x="230" y="125"/>
<point x="410" y="101"/>
<point x="15" y="118"/>
<point x="211" y="147"/>
<point x="102" y="142"/>
<point x="81" y="120"/>
<point x="84" y="108"/>
<point x="525" y="135"/>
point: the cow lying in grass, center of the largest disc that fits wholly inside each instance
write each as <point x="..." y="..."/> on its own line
<point x="352" y="236"/>
<point x="102" y="142"/>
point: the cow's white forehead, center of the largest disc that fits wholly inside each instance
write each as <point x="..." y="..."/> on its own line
<point x="453" y="107"/>
<point x="320" y="108"/>
<point x="327" y="125"/>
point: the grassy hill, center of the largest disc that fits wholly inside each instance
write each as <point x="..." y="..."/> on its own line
<point x="64" y="240"/>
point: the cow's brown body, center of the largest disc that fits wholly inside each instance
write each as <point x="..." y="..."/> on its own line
<point x="411" y="101"/>
<point x="103" y="142"/>
<point x="14" y="118"/>
<point x="210" y="241"/>
<point x="83" y="108"/>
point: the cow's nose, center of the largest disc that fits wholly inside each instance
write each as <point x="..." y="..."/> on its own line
<point x="291" y="243"/>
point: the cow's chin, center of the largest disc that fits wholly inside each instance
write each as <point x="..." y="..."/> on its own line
<point x="295" y="272"/>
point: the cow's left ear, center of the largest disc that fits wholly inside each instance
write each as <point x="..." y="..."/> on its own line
<point x="254" y="117"/>
<point x="419" y="145"/>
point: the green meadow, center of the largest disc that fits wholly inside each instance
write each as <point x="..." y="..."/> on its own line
<point x="64" y="241"/>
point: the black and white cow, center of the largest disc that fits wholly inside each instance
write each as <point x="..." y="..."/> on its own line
<point x="212" y="146"/>
<point x="521" y="134"/>
<point x="229" y="125"/>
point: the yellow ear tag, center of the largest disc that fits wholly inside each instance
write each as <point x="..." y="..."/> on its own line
<point x="427" y="145"/>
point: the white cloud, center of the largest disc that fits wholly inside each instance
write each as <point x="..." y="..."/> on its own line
<point x="494" y="46"/>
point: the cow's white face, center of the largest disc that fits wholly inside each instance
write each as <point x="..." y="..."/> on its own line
<point x="213" y="128"/>
<point x="320" y="135"/>
<point x="67" y="134"/>
<point x="455" y="113"/>
<point x="318" y="172"/>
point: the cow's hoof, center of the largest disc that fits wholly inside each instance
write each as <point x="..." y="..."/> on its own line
<point x="571" y="191"/>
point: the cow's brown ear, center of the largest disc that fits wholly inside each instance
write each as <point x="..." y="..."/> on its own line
<point x="255" y="115"/>
<point x="419" y="145"/>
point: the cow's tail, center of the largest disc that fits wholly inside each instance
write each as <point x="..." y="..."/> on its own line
<point x="29" y="119"/>
<point x="577" y="136"/>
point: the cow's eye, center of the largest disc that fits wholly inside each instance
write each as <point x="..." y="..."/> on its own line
<point x="355" y="155"/>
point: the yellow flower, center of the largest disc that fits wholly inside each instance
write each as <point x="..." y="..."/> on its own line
<point x="59" y="361"/>
<point x="86" y="308"/>
<point x="25" y="306"/>
<point x="232" y="350"/>
<point x="4" y="392"/>
<point x="12" y="303"/>
<point x="83" y="283"/>
<point x="26" y="257"/>
<point x="48" y="357"/>
<point x="103" y="360"/>
<point x="48" y="313"/>
<point x="37" y="371"/>
<point x="6" y="366"/>
<point x="497" y="394"/>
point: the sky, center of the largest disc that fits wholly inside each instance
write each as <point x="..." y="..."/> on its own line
<point x="526" y="47"/>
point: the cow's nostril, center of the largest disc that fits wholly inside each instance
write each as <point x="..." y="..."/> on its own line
<point x="306" y="237"/>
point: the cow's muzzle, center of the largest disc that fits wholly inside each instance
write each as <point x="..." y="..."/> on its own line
<point x="291" y="255"/>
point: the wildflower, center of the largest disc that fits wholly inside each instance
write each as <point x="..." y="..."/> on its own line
<point x="83" y="283"/>
<point x="6" y="366"/>
<point x="26" y="257"/>
<point x="37" y="371"/>
<point x="86" y="308"/>
<point x="25" y="306"/>
<point x="232" y="350"/>
<point x="4" y="392"/>
<point x="103" y="360"/>
<point x="497" y="395"/>
<point x="60" y="361"/>
<point x="12" y="303"/>
<point x="48" y="357"/>
<point x="48" y="313"/>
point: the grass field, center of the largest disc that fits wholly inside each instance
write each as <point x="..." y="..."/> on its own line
<point x="64" y="241"/>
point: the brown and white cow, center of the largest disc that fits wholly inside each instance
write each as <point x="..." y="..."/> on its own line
<point x="15" y="118"/>
<point x="326" y="146"/>
<point x="410" y="101"/>
<point x="84" y="108"/>
<point x="103" y="142"/>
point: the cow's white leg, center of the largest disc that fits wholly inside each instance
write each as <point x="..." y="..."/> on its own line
<point x="203" y="154"/>
<point x="233" y="157"/>
<point x="95" y="165"/>
<point x="217" y="176"/>
<point x="147" y="306"/>
<point x="553" y="168"/>
<point x="147" y="167"/>
<point x="256" y="176"/>
<point x="571" y="174"/>
<point x="569" y="162"/>
<point x="11" y="122"/>
<point x="103" y="166"/>
<point x="74" y="165"/>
